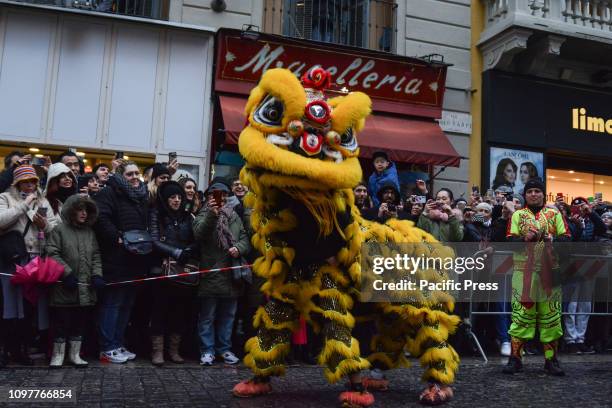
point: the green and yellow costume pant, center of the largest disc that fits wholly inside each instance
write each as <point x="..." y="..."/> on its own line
<point x="317" y="293"/>
<point x="545" y="313"/>
<point x="542" y="311"/>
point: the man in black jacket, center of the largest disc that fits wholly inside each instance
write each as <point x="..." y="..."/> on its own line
<point x="122" y="207"/>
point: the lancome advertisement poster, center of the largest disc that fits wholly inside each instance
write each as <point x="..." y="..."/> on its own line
<point x="512" y="168"/>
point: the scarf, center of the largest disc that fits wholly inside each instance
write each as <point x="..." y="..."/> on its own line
<point x="63" y="193"/>
<point x="225" y="240"/>
<point x="137" y="194"/>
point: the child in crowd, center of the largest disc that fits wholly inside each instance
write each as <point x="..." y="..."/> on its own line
<point x="73" y="244"/>
<point x="384" y="172"/>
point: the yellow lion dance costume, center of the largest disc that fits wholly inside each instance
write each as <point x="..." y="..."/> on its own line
<point x="301" y="165"/>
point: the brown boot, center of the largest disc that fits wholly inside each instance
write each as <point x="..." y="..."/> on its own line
<point x="157" y="350"/>
<point x="515" y="361"/>
<point x="173" y="349"/>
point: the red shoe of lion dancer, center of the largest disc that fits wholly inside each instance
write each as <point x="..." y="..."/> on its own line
<point x="252" y="388"/>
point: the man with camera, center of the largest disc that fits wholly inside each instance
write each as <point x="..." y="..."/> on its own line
<point x="390" y="205"/>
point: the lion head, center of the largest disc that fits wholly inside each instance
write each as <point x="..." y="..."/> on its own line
<point x="298" y="138"/>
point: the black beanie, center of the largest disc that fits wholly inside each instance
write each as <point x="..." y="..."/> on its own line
<point x="158" y="170"/>
<point x="380" y="153"/>
<point x="170" y="188"/>
<point x="535" y="182"/>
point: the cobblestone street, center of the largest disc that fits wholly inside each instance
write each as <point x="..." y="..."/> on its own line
<point x="588" y="383"/>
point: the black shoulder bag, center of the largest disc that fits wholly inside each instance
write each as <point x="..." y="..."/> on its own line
<point x="12" y="245"/>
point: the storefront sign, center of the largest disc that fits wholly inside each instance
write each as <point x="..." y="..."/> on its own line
<point x="547" y="115"/>
<point x="582" y="121"/>
<point x="513" y="168"/>
<point x="456" y="122"/>
<point x="384" y="77"/>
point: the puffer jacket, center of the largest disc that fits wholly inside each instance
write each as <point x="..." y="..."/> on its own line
<point x="218" y="284"/>
<point x="76" y="248"/>
<point x="15" y="214"/>
<point x="118" y="213"/>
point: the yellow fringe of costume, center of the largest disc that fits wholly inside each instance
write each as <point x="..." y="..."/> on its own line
<point x="324" y="295"/>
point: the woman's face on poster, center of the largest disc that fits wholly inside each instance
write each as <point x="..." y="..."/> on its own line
<point x="524" y="174"/>
<point x="509" y="173"/>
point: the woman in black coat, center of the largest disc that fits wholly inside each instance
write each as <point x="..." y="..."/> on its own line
<point x="122" y="206"/>
<point x="172" y="233"/>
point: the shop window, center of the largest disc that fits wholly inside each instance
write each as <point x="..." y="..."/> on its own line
<point x="90" y="158"/>
<point x="572" y="184"/>
<point x="362" y="23"/>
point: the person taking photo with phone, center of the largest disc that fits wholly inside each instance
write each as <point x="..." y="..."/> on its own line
<point x="389" y="207"/>
<point x="439" y="219"/>
<point x="24" y="212"/>
<point x="222" y="237"/>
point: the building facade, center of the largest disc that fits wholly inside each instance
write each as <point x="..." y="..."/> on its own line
<point x="434" y="32"/>
<point x="546" y="76"/>
<point x="104" y="83"/>
<point x="434" y="29"/>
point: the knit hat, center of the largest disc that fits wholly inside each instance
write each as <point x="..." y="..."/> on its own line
<point x="380" y="153"/>
<point x="484" y="206"/>
<point x="170" y="188"/>
<point x="389" y="185"/>
<point x="217" y="187"/>
<point x="100" y="165"/>
<point x="607" y="214"/>
<point x="158" y="170"/>
<point x="460" y="199"/>
<point x="23" y="173"/>
<point x="579" y="201"/>
<point x="504" y="189"/>
<point x="520" y="198"/>
<point x="535" y="182"/>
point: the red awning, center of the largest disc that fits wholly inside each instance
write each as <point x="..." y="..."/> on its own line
<point x="405" y="140"/>
<point x="234" y="120"/>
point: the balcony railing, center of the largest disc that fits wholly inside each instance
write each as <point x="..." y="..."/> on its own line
<point x="588" y="17"/>
<point x="136" y="8"/>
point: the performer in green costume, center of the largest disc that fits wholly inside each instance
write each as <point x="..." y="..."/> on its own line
<point x="536" y="300"/>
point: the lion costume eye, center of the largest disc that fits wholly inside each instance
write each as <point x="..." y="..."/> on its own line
<point x="269" y="112"/>
<point x="348" y="141"/>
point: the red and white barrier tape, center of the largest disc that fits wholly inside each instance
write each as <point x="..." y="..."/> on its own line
<point x="161" y="277"/>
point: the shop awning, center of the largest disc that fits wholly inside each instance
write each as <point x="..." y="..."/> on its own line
<point x="405" y="140"/>
<point x="232" y="109"/>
